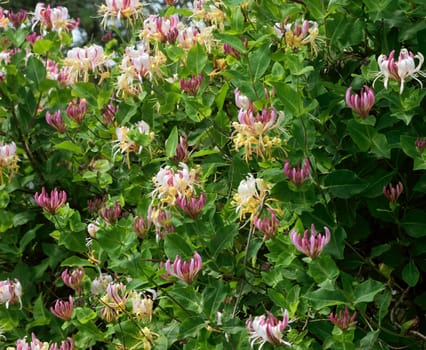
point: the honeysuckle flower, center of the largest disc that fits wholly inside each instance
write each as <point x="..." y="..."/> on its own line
<point x="76" y="109"/>
<point x="231" y="51"/>
<point x="63" y="309"/>
<point x="108" y="113"/>
<point x="361" y="103"/>
<point x="182" y="153"/>
<point x="250" y="196"/>
<point x="92" y="228"/>
<point x="298" y="33"/>
<point x="54" y="18"/>
<point x="141" y="226"/>
<point x="243" y="102"/>
<point x="195" y="34"/>
<point x="8" y="160"/>
<point x="114" y="301"/>
<point x="162" y="29"/>
<point x="162" y="220"/>
<point x="83" y="61"/>
<point x="4" y="19"/>
<point x="297" y="175"/>
<point x="51" y="203"/>
<point x="142" y="304"/>
<point x="186" y="271"/>
<point x="313" y="245"/>
<point x="191" y="205"/>
<point x="268" y="225"/>
<point x="65" y="345"/>
<point x="121" y="10"/>
<point x="32" y="38"/>
<point x="73" y="279"/>
<point x="35" y="344"/>
<point x="99" y="284"/>
<point x="392" y="193"/>
<point x="170" y="183"/>
<point x="192" y="84"/>
<point x="10" y="292"/>
<point x="110" y="214"/>
<point x="400" y="70"/>
<point x="420" y="144"/>
<point x="342" y="319"/>
<point x="56" y="121"/>
<point x="267" y="329"/>
<point x="209" y="13"/>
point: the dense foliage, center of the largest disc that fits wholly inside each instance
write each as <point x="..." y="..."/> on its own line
<point x="226" y="175"/>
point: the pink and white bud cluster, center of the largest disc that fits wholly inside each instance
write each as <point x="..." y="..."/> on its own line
<point x="162" y="221"/>
<point x="192" y="35"/>
<point x="186" y="271"/>
<point x="51" y="203"/>
<point x="110" y="214"/>
<point x="400" y="70"/>
<point x="17" y="18"/>
<point x="54" y="19"/>
<point x="141" y="226"/>
<point x="231" y="51"/>
<point x="162" y="29"/>
<point x="64" y="75"/>
<point x="182" y="151"/>
<point x="36" y="344"/>
<point x="192" y="205"/>
<point x="297" y="175"/>
<point x="4" y="19"/>
<point x="56" y="121"/>
<point x="192" y="84"/>
<point x="114" y="301"/>
<point x="343" y="320"/>
<point x="392" y="193"/>
<point x="267" y="329"/>
<point x="83" y="61"/>
<point x="136" y="65"/>
<point x="8" y="160"/>
<point x="361" y="103"/>
<point x="243" y="102"/>
<point x="63" y="309"/>
<point x="268" y="225"/>
<point x="10" y="292"/>
<point x="313" y="245"/>
<point x="74" y="279"/>
<point x="76" y="109"/>
<point x="120" y="10"/>
<point x="420" y="144"/>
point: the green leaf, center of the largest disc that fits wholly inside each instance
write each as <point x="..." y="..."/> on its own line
<point x="414" y="223"/>
<point x="290" y="98"/>
<point x="380" y="146"/>
<point x="323" y="269"/>
<point x="87" y="91"/>
<point x="176" y="245"/>
<point x="191" y="326"/>
<point x="213" y="296"/>
<point x="259" y="62"/>
<point x="187" y="298"/>
<point x="69" y="146"/>
<point x="85" y="315"/>
<point x="369" y="340"/>
<point x="383" y="302"/>
<point x="74" y="241"/>
<point x="35" y="70"/>
<point x="344" y="183"/>
<point x="410" y="274"/>
<point x="172" y="142"/>
<point x="360" y="134"/>
<point x="42" y="46"/>
<point x="366" y="291"/>
<point x="196" y="59"/>
<point x="6" y="220"/>
<point x="324" y="297"/>
<point x="4" y="199"/>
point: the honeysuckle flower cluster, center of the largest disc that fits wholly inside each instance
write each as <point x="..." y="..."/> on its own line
<point x="298" y="33"/>
<point x="114" y="301"/>
<point x="100" y="283"/>
<point x="82" y="61"/>
<point x="267" y="329"/>
<point x="51" y="203"/>
<point x="8" y="161"/>
<point x="161" y="218"/>
<point x="36" y="344"/>
<point x="54" y="19"/>
<point x="10" y="292"/>
<point x="141" y="226"/>
<point x="361" y="103"/>
<point x="143" y="304"/>
<point x="186" y="271"/>
<point x="136" y="65"/>
<point x="210" y="13"/>
<point x="120" y="10"/>
<point x="192" y="84"/>
<point x="110" y="214"/>
<point x="251" y="129"/>
<point x="63" y="309"/>
<point x="124" y="144"/>
<point x="420" y="144"/>
<point x="392" y="193"/>
<point x="313" y="244"/>
<point x="161" y="29"/>
<point x="402" y="69"/>
<point x="250" y="196"/>
<point x="343" y="319"/>
<point x="298" y="175"/>
<point x="76" y="109"/>
<point x="198" y="33"/>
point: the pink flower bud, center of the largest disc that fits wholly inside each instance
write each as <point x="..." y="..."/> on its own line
<point x="141" y="226"/>
<point x="313" y="245"/>
<point x="50" y="203"/>
<point x="192" y="206"/>
<point x="361" y="103"/>
<point x="343" y="320"/>
<point x="298" y="176"/>
<point x="110" y="215"/>
<point x="77" y="109"/>
<point x="10" y="292"/>
<point x="55" y="121"/>
<point x="192" y="84"/>
<point x="74" y="279"/>
<point x="392" y="193"/>
<point x="183" y="270"/>
<point x="63" y="309"/>
<point x="268" y="225"/>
